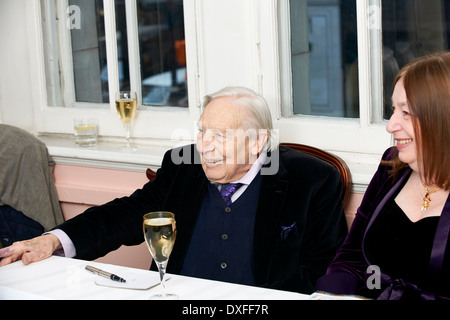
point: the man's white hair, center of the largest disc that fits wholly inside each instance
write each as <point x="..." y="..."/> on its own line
<point x="260" y="117"/>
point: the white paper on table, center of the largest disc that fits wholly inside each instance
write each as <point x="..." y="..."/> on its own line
<point x="136" y="281"/>
<point x="320" y="295"/>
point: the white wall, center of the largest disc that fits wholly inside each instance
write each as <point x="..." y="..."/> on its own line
<point x="15" y="86"/>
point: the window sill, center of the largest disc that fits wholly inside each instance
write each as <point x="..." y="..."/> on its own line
<point x="107" y="155"/>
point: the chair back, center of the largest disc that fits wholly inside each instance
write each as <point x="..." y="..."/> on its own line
<point x="332" y="159"/>
<point x="150" y="174"/>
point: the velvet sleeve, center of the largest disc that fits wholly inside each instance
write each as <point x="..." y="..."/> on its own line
<point x="102" y="229"/>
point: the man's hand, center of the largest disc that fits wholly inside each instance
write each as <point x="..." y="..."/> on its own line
<point x="29" y="251"/>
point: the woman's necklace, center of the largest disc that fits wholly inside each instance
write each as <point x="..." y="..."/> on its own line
<point x="426" y="199"/>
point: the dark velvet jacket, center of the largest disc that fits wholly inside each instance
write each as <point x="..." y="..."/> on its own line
<point x="348" y="272"/>
<point x="299" y="222"/>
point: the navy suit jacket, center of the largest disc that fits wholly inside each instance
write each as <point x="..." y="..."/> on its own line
<point x="303" y="195"/>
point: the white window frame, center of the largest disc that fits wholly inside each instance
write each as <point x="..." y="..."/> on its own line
<point x="360" y="142"/>
<point x="163" y="121"/>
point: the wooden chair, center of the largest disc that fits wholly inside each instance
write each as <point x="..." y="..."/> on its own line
<point x="332" y="159"/>
<point x="150" y="174"/>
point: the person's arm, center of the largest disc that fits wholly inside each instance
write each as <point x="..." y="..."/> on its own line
<point x="347" y="271"/>
<point x="29" y="251"/>
<point x="326" y="231"/>
<point x="102" y="229"/>
<point x="99" y="230"/>
<point x="68" y="248"/>
<point x="314" y="200"/>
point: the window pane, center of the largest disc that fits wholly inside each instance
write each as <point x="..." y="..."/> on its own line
<point x="162" y="52"/>
<point x="324" y="58"/>
<point x="122" y="45"/>
<point x="89" y="51"/>
<point x="411" y="28"/>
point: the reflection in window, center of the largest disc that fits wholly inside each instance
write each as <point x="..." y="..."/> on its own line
<point x="411" y="28"/>
<point x="89" y="52"/>
<point x="161" y="49"/>
<point x="324" y="54"/>
<point x="324" y="58"/>
<point x="162" y="53"/>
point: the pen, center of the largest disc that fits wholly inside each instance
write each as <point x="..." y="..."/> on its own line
<point x="105" y="274"/>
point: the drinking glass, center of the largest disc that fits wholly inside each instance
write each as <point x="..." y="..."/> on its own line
<point x="85" y="131"/>
<point x="160" y="232"/>
<point x="126" y="105"/>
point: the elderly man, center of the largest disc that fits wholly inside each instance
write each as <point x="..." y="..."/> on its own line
<point x="280" y="229"/>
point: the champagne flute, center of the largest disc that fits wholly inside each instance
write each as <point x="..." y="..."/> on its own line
<point x="126" y="105"/>
<point x="160" y="233"/>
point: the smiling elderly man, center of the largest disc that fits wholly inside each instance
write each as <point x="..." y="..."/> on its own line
<point x="279" y="227"/>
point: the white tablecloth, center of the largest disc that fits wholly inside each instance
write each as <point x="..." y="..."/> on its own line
<point x="66" y="279"/>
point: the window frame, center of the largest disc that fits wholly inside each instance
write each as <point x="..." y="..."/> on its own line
<point x="360" y="142"/>
<point x="348" y="134"/>
<point x="164" y="121"/>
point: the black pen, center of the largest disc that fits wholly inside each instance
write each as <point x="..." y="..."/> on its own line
<point x="105" y="274"/>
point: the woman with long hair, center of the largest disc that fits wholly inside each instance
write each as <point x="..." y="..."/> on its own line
<point x="397" y="246"/>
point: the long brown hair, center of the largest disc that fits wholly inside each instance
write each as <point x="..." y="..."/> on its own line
<point x="427" y="85"/>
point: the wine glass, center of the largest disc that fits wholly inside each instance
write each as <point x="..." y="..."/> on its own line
<point x="126" y="105"/>
<point x="160" y="233"/>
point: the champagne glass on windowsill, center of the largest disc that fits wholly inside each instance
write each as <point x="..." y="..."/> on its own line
<point x="126" y="105"/>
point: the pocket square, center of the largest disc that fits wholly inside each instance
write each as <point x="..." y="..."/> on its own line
<point x="287" y="231"/>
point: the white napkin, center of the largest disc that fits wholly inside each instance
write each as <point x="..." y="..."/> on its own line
<point x="137" y="281"/>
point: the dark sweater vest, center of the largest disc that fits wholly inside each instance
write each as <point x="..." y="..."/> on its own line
<point x="221" y="246"/>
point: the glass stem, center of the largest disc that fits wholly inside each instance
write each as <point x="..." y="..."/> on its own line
<point x="162" y="272"/>
<point x="128" y="134"/>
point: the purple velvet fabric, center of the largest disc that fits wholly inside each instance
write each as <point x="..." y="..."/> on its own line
<point x="347" y="274"/>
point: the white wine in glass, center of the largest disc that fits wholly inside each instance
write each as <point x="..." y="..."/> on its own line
<point x="126" y="105"/>
<point x="160" y="232"/>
